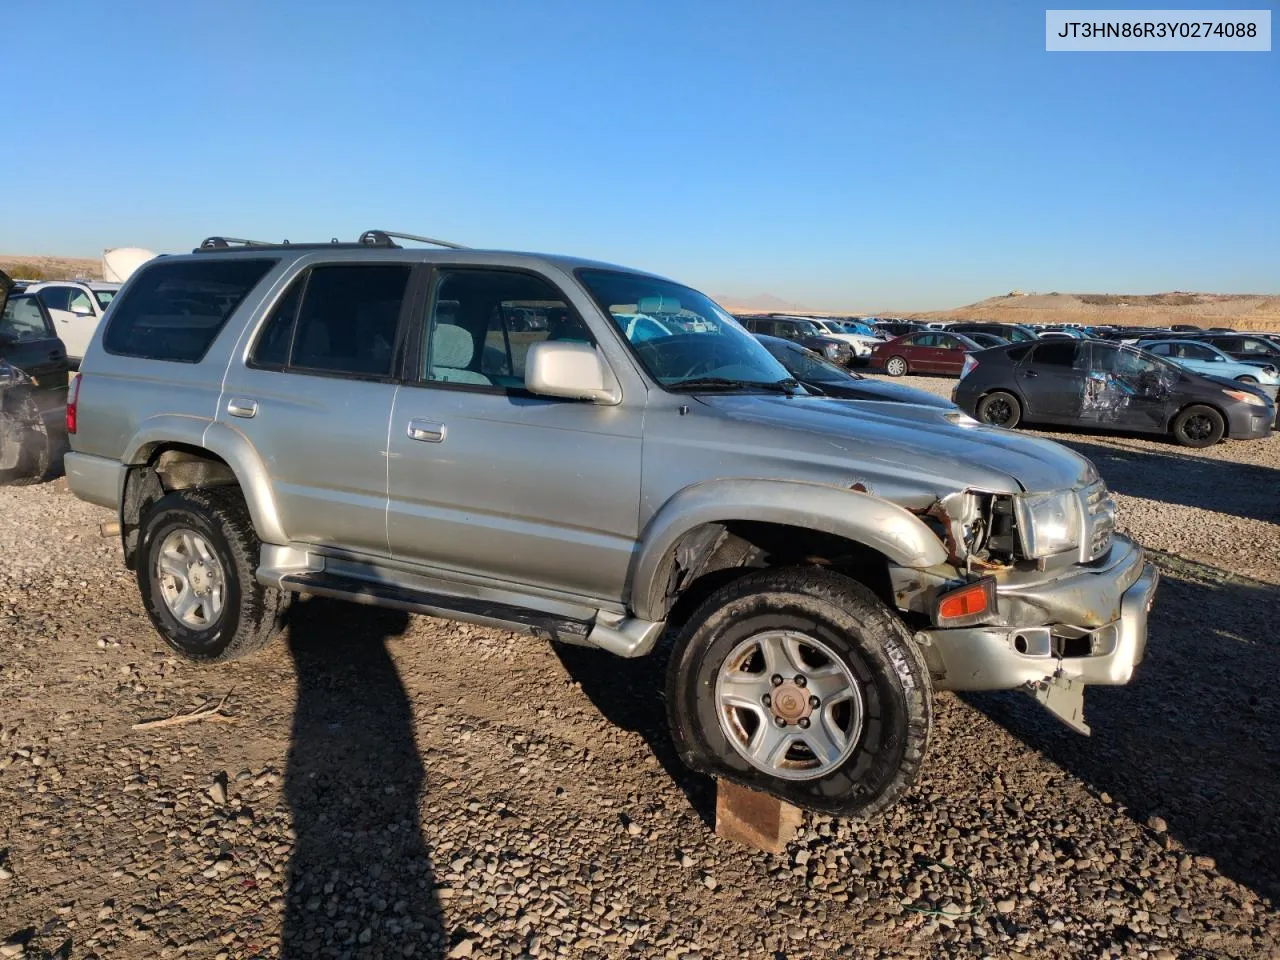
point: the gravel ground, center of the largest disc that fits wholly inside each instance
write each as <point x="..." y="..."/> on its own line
<point x="402" y="786"/>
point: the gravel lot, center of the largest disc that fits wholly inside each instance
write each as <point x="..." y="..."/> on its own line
<point x="402" y="786"/>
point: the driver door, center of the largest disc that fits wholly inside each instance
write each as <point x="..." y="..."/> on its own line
<point x="492" y="482"/>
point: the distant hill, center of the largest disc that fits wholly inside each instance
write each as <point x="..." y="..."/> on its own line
<point x="760" y="303"/>
<point x="50" y="268"/>
<point x="1242" y="311"/>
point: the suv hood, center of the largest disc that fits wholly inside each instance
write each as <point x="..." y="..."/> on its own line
<point x="944" y="449"/>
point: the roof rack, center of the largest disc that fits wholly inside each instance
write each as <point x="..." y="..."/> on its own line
<point x="370" y="238"/>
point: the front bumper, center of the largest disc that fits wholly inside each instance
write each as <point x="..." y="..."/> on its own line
<point x="1247" y="422"/>
<point x="1089" y="627"/>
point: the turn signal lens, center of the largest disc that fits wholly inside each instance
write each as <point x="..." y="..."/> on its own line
<point x="965" y="605"/>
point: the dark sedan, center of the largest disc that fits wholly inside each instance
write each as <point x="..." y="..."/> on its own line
<point x="1009" y="332"/>
<point x="928" y="351"/>
<point x="1094" y="383"/>
<point x="820" y="376"/>
<point x="804" y="332"/>
<point x="33" y="386"/>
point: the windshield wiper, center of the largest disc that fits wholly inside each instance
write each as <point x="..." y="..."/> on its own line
<point x="788" y="386"/>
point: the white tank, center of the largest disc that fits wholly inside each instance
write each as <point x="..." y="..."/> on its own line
<point x="119" y="263"/>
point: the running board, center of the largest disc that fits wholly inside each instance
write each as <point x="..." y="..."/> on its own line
<point x="469" y="609"/>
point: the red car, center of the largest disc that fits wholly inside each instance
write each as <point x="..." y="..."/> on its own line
<point x="927" y="351"/>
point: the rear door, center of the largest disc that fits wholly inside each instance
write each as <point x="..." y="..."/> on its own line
<point x="1052" y="379"/>
<point x="315" y="400"/>
<point x="72" y="312"/>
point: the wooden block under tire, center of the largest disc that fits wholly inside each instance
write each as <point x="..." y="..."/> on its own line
<point x="755" y="819"/>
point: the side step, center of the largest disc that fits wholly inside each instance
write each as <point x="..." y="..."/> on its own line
<point x="470" y="609"/>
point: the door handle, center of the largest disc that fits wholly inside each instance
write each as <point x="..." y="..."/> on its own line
<point x="1029" y="374"/>
<point x="240" y="407"/>
<point x="426" y="431"/>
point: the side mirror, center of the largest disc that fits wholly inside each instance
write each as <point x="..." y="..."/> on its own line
<point x="574" y="371"/>
<point x="82" y="310"/>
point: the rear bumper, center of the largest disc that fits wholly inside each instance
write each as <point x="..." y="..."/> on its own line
<point x="95" y="479"/>
<point x="1091" y="628"/>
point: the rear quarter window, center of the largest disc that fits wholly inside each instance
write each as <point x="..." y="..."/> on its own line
<point x="174" y="311"/>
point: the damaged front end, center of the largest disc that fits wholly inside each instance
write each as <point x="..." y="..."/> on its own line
<point x="24" y="435"/>
<point x="1039" y="593"/>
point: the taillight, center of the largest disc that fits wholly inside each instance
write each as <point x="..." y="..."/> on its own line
<point x="970" y="365"/>
<point x="72" y="397"/>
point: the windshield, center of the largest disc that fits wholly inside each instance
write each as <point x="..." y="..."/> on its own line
<point x="805" y="365"/>
<point x="680" y="336"/>
<point x="104" y="297"/>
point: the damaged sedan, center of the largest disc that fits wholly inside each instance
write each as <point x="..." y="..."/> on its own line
<point x="33" y="386"/>
<point x="1109" y="386"/>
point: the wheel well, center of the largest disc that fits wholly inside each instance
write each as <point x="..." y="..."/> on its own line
<point x="1226" y="421"/>
<point x="168" y="467"/>
<point x="714" y="554"/>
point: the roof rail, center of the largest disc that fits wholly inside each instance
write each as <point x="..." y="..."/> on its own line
<point x="384" y="237"/>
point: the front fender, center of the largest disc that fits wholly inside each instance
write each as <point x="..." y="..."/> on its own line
<point x="232" y="447"/>
<point x="883" y="526"/>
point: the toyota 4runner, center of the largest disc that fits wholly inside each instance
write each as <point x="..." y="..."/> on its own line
<point x="495" y="437"/>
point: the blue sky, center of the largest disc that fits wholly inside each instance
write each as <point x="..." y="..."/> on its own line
<point x="850" y="155"/>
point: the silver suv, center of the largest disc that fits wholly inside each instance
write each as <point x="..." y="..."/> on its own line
<point x="598" y="456"/>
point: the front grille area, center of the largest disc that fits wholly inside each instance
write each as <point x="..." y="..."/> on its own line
<point x="1099" y="519"/>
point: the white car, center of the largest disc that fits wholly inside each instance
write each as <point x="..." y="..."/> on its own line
<point x="76" y="307"/>
<point x="862" y="343"/>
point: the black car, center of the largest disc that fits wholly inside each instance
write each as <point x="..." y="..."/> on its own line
<point x="823" y="377"/>
<point x="897" y="328"/>
<point x="1251" y="348"/>
<point x="804" y="332"/>
<point x="1009" y="332"/>
<point x="33" y="385"/>
<point x="1094" y="383"/>
<point x="986" y="339"/>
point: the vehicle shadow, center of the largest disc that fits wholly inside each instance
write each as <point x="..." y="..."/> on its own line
<point x="629" y="694"/>
<point x="1210" y="765"/>
<point x="1223" y="486"/>
<point x="360" y="880"/>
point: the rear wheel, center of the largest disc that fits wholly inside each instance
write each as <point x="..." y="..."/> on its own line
<point x="799" y="682"/>
<point x="197" y="565"/>
<point x="896" y="366"/>
<point x="1199" y="426"/>
<point x="1000" y="409"/>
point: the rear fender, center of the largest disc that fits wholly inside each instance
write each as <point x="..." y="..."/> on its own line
<point x="226" y="443"/>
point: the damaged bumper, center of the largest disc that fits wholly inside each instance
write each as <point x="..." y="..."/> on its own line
<point x="1086" y="627"/>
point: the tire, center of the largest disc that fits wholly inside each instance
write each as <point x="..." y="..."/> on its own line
<point x="880" y="758"/>
<point x="896" y="366"/>
<point x="24" y="424"/>
<point x="245" y="615"/>
<point x="1247" y="379"/>
<point x="1199" y="426"/>
<point x="1000" y="409"/>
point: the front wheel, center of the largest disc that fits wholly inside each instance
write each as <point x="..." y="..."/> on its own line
<point x="1199" y="426"/>
<point x="799" y="682"/>
<point x="1000" y="409"/>
<point x="1246" y="379"/>
<point x="896" y="366"/>
<point x="197" y="565"/>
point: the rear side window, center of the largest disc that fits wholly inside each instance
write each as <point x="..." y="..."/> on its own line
<point x="338" y="319"/>
<point x="1057" y="353"/>
<point x="1017" y="353"/>
<point x="24" y="320"/>
<point x="174" y="311"/>
<point x="56" y="298"/>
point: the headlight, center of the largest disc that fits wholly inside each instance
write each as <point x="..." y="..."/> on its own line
<point x="1245" y="397"/>
<point x="1049" y="523"/>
